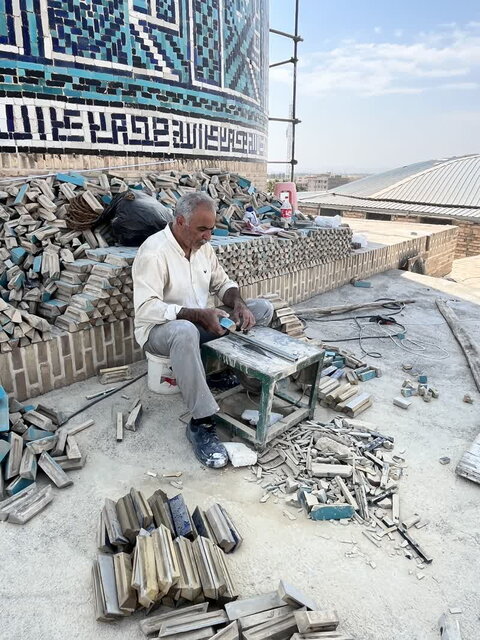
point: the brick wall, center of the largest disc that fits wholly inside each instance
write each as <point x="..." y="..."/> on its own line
<point x="440" y="252"/>
<point x="67" y="358"/>
<point x="354" y="214"/>
<point x="468" y="241"/>
<point x="467" y="238"/>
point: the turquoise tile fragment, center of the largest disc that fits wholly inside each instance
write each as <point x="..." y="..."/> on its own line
<point x="332" y="512"/>
<point x="17" y="255"/>
<point x="4" y="422"/>
<point x="21" y="194"/>
<point x="37" y="264"/>
<point x="72" y="179"/>
<point x="17" y="485"/>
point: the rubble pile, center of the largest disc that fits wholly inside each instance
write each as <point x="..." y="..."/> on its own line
<point x="342" y="470"/>
<point x="154" y="555"/>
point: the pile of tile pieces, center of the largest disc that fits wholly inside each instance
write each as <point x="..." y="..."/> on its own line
<point x="339" y="387"/>
<point x="341" y="470"/>
<point x="31" y="438"/>
<point x="284" y="318"/>
<point x="153" y="551"/>
<point x="56" y="264"/>
<point x="35" y="241"/>
<point x="284" y="614"/>
<point x="420" y="388"/>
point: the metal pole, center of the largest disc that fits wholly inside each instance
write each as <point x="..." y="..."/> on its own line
<point x="294" y="92"/>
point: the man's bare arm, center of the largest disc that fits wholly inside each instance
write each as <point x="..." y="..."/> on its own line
<point x="207" y="318"/>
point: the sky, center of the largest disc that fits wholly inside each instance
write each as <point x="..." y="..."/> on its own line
<point x="381" y="83"/>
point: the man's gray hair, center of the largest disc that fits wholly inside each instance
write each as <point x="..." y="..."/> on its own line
<point x="187" y="204"/>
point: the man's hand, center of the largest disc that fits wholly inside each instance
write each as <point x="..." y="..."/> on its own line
<point x="242" y="316"/>
<point x="208" y="319"/>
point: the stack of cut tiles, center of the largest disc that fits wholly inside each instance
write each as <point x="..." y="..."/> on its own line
<point x="31" y="438"/>
<point x="344" y="469"/>
<point x="283" y="614"/>
<point x="154" y="552"/>
<point x="284" y="318"/>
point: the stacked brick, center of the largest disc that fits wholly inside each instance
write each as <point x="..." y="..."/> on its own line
<point x="36" y="246"/>
<point x="103" y="290"/>
<point x="468" y="243"/>
<point x="255" y="259"/>
<point x="18" y="328"/>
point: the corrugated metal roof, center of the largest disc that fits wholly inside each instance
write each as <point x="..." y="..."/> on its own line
<point x="347" y="203"/>
<point x="448" y="187"/>
<point x="455" y="182"/>
<point x="370" y="185"/>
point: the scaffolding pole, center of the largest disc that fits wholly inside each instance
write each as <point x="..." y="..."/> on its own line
<point x="293" y="120"/>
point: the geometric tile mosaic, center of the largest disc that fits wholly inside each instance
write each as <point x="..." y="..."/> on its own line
<point x="139" y="76"/>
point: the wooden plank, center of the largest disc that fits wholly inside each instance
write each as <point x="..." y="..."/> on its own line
<point x="469" y="347"/>
<point x="285" y="423"/>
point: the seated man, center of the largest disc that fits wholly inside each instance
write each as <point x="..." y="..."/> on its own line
<point x="173" y="274"/>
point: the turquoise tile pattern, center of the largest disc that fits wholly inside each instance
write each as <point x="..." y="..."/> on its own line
<point x="170" y="77"/>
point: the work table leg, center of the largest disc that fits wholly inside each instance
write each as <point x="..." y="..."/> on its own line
<point x="316" y="370"/>
<point x="265" y="409"/>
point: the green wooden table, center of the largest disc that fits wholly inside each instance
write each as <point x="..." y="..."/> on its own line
<point x="269" y="369"/>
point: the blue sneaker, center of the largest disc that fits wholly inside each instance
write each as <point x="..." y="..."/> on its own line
<point x="206" y="445"/>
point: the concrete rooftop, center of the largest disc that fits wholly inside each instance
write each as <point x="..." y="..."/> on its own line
<point x="46" y="589"/>
<point x="386" y="232"/>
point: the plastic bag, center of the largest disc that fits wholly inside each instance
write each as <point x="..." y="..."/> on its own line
<point x="134" y="216"/>
<point x="361" y="239"/>
<point x="328" y="222"/>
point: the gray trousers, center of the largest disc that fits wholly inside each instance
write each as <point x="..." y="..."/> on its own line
<point x="180" y="340"/>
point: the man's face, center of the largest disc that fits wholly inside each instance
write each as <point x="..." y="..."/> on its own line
<point x="198" y="230"/>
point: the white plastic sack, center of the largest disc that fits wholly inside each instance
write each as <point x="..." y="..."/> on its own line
<point x="361" y="239"/>
<point x="328" y="222"/>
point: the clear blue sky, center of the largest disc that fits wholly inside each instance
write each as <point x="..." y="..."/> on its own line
<point x="381" y="83"/>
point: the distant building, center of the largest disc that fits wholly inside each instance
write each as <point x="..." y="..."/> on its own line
<point x="443" y="191"/>
<point x="321" y="181"/>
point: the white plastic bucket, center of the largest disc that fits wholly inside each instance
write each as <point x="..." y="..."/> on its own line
<point x="161" y="378"/>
